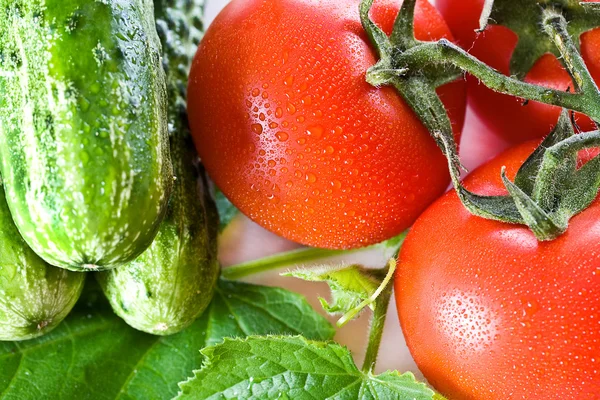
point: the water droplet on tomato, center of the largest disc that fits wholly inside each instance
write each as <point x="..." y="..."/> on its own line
<point x="291" y="108"/>
<point x="311" y="178"/>
<point x="257" y="128"/>
<point x="530" y="307"/>
<point x="289" y="80"/>
<point x="315" y="131"/>
<point x="278" y="112"/>
<point x="282" y="136"/>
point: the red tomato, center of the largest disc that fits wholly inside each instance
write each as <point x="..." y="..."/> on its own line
<point x="289" y="129"/>
<point x="507" y="116"/>
<point x="488" y="312"/>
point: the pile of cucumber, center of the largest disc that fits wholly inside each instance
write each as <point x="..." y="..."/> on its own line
<point x="99" y="173"/>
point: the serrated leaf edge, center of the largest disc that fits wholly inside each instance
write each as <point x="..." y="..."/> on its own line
<point x="360" y="375"/>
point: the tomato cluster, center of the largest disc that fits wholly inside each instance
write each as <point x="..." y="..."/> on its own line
<point x="291" y="132"/>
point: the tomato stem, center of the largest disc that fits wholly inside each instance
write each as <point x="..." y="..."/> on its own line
<point x="382" y="302"/>
<point x="591" y="5"/>
<point x="403" y="58"/>
<point x="416" y="58"/>
<point x="302" y="255"/>
<point x="416" y="69"/>
<point x="279" y="260"/>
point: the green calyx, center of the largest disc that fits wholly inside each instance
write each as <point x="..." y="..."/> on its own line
<point x="549" y="188"/>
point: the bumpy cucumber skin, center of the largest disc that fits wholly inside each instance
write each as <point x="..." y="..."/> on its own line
<point x="171" y="283"/>
<point x="34" y="296"/>
<point x="83" y="131"/>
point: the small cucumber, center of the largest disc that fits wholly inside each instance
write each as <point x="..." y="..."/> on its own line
<point x="34" y="296"/>
<point x="170" y="284"/>
<point x="83" y="131"/>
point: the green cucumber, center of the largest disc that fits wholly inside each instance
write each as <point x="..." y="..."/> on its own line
<point x="83" y="133"/>
<point x="34" y="296"/>
<point x="171" y="283"/>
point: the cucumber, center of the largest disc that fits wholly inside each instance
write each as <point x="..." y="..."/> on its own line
<point x="171" y="283"/>
<point x="83" y="133"/>
<point x="34" y="296"/>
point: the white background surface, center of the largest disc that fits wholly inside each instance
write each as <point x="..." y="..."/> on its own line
<point x="244" y="240"/>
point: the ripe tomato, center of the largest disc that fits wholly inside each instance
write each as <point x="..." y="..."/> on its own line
<point x="289" y="129"/>
<point x="507" y="116"/>
<point x="488" y="312"/>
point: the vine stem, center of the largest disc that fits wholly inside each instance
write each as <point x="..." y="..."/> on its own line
<point x="303" y="255"/>
<point x="445" y="51"/>
<point x="586" y="101"/>
<point x="378" y="320"/>
<point x="278" y="261"/>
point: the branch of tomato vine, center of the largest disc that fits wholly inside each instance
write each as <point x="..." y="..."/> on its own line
<point x="555" y="26"/>
<point x="279" y="260"/>
<point x="445" y="51"/>
<point x="303" y="255"/>
<point x="382" y="301"/>
<point x="591" y="5"/>
<point x="586" y="101"/>
<point x="413" y="68"/>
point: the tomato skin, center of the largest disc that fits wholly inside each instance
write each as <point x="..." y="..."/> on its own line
<point x="507" y="116"/>
<point x="289" y="129"/>
<point x="490" y="313"/>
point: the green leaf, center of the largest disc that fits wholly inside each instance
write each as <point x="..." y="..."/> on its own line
<point x="292" y="367"/>
<point x="227" y="211"/>
<point x="93" y="354"/>
<point x="349" y="286"/>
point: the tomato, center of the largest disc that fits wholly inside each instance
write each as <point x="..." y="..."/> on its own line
<point x="289" y="129"/>
<point x="488" y="312"/>
<point x="509" y="117"/>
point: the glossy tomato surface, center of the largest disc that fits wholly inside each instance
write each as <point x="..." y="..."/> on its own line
<point x="509" y="117"/>
<point x="488" y="312"/>
<point x="289" y="129"/>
